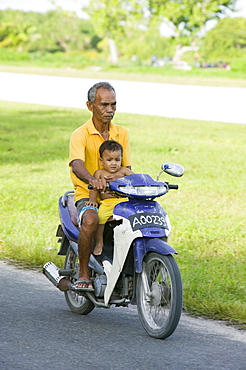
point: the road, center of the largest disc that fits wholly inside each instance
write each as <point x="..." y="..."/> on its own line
<point x="38" y="331"/>
<point x="222" y="104"/>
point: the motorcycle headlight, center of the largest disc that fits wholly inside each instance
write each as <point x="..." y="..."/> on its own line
<point x="144" y="191"/>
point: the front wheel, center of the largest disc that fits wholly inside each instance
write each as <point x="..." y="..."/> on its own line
<point x="76" y="302"/>
<point x="159" y="295"/>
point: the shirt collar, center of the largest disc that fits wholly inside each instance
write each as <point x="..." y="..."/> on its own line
<point x="113" y="131"/>
<point x="91" y="128"/>
<point x="93" y="131"/>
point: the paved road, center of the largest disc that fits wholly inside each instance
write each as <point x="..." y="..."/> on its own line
<point x="223" y="104"/>
<point x="39" y="332"/>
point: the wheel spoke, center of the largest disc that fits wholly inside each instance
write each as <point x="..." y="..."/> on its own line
<point x="156" y="307"/>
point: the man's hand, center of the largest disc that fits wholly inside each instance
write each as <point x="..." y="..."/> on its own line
<point x="99" y="185"/>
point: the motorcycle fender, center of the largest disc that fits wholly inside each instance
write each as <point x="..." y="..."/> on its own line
<point x="123" y="238"/>
<point x="63" y="240"/>
<point x="141" y="246"/>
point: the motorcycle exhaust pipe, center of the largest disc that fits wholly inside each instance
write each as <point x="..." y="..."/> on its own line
<point x="51" y="271"/>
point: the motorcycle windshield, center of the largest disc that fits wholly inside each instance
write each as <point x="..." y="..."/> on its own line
<point x="140" y="186"/>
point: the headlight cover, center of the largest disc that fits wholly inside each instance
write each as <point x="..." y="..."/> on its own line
<point x="144" y="191"/>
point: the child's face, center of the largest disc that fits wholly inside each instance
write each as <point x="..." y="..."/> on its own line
<point x="111" y="161"/>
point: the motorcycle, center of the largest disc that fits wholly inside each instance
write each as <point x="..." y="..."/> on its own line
<point x="137" y="265"/>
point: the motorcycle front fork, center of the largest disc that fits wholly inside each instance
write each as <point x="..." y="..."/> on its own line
<point x="147" y="291"/>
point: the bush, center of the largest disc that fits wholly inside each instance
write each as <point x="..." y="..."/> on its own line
<point x="226" y="41"/>
<point x="7" y="55"/>
<point x="239" y="64"/>
<point x="73" y="59"/>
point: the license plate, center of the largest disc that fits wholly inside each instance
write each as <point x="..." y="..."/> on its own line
<point x="142" y="220"/>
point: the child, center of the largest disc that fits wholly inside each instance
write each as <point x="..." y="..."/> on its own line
<point x="110" y="158"/>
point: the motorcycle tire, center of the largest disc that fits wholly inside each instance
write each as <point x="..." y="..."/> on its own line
<point x="159" y="295"/>
<point x="76" y="302"/>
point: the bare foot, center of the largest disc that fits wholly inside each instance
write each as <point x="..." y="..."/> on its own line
<point x="84" y="285"/>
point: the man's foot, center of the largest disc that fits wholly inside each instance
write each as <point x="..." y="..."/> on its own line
<point x="83" y="286"/>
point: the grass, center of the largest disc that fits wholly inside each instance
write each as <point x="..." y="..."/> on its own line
<point x="207" y="213"/>
<point x="197" y="76"/>
<point x="95" y="65"/>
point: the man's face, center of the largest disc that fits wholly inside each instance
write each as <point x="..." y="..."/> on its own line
<point x="104" y="106"/>
<point x="111" y="161"/>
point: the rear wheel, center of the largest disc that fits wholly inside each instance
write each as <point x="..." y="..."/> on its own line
<point x="159" y="295"/>
<point x="76" y="302"/>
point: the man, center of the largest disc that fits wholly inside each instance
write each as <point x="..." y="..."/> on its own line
<point x="84" y="161"/>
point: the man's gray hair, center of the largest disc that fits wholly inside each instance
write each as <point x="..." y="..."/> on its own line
<point x="93" y="90"/>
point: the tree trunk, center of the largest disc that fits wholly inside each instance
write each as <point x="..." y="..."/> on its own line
<point x="64" y="45"/>
<point x="113" y="54"/>
<point x="180" y="50"/>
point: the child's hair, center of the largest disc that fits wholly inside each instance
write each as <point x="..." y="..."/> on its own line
<point x="110" y="145"/>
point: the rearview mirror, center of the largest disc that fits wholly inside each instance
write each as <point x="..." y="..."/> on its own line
<point x="173" y="169"/>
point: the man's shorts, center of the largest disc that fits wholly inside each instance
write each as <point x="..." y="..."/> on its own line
<point x="81" y="208"/>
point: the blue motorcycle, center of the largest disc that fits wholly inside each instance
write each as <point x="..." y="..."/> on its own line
<point x="137" y="265"/>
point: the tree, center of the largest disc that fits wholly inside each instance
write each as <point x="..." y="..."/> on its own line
<point x="188" y="16"/>
<point x="52" y="31"/>
<point x="142" y="44"/>
<point x="16" y="30"/>
<point x="226" y="41"/>
<point x="63" y="31"/>
<point x="110" y="18"/>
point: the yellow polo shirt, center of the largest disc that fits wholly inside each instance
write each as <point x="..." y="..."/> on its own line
<point x="84" y="145"/>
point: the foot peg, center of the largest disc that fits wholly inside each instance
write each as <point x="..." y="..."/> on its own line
<point x="64" y="272"/>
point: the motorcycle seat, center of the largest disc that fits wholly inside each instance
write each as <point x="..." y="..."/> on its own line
<point x="72" y="209"/>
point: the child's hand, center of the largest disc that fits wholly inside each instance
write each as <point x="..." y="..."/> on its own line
<point x="91" y="204"/>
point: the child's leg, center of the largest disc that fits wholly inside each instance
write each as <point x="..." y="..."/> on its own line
<point x="99" y="240"/>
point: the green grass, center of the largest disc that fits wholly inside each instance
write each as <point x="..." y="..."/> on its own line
<point x="197" y="76"/>
<point x="91" y="64"/>
<point x="207" y="212"/>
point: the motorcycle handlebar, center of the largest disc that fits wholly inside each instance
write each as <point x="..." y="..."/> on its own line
<point x="90" y="187"/>
<point x="175" y="187"/>
<point x="170" y="186"/>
